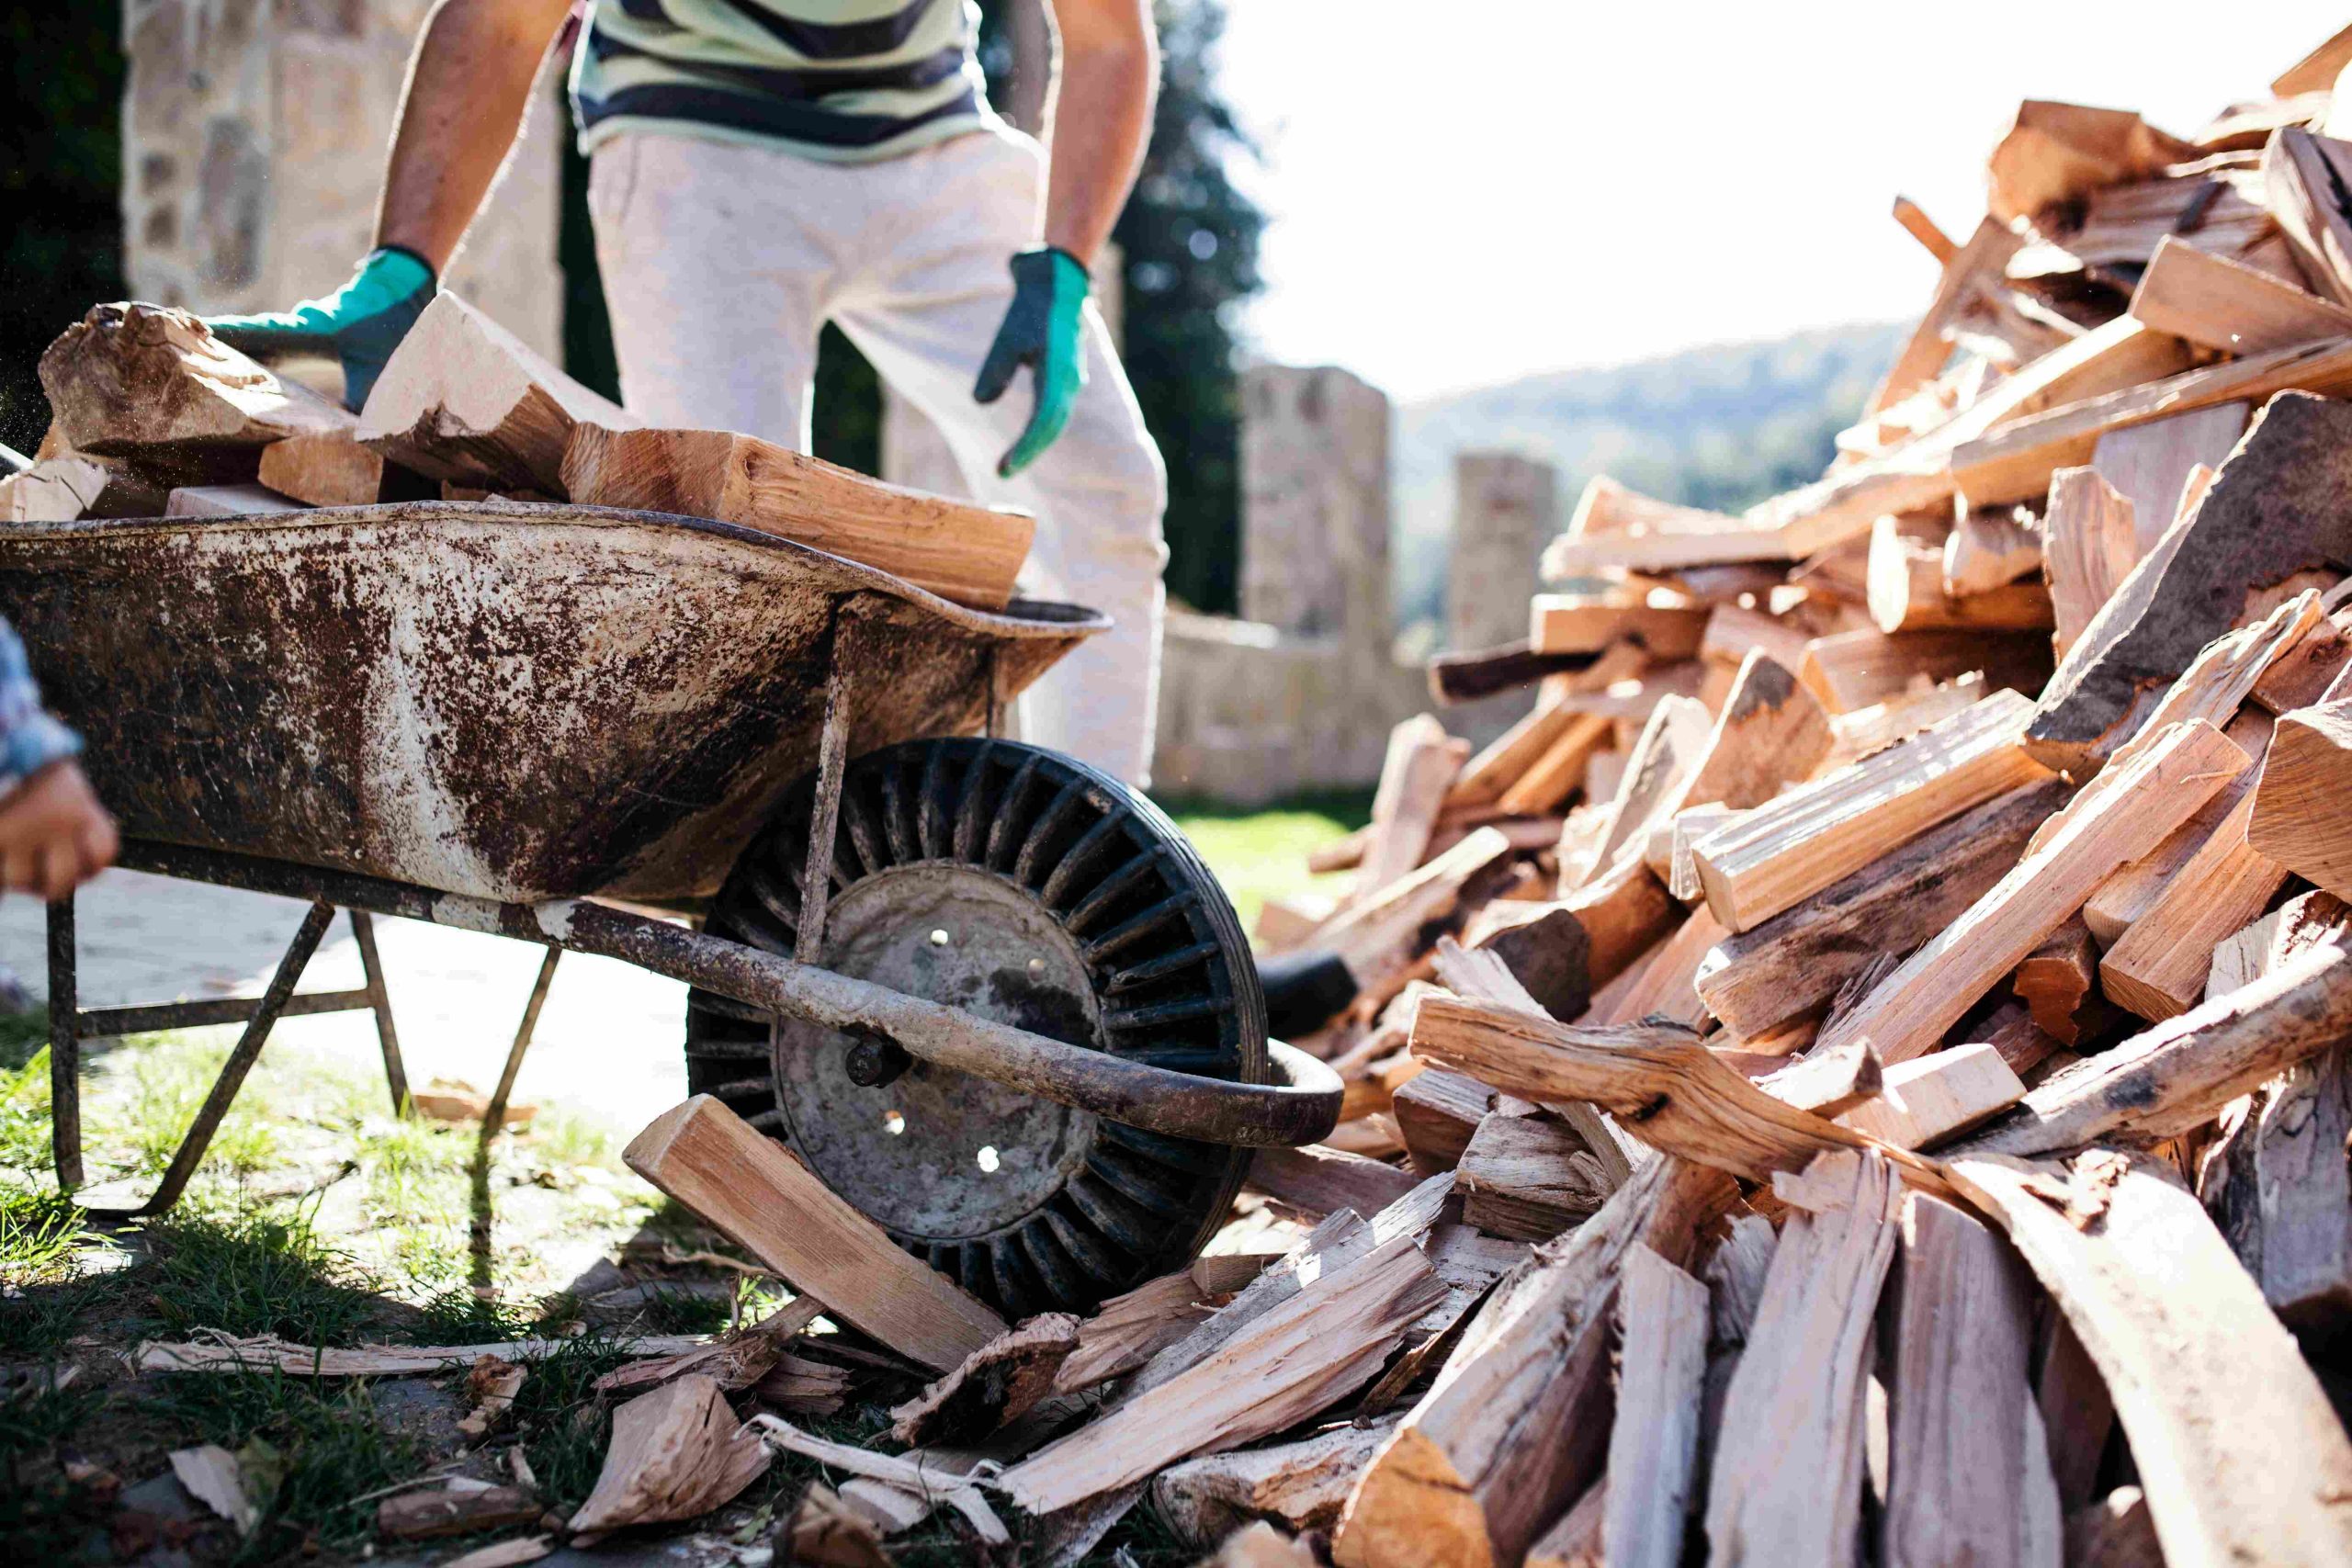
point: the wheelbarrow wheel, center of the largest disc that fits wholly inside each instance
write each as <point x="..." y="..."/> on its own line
<point x="1021" y="886"/>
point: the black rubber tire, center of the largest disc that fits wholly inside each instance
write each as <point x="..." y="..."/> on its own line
<point x="1164" y="952"/>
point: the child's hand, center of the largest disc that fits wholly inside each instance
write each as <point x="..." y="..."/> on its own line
<point x="54" y="835"/>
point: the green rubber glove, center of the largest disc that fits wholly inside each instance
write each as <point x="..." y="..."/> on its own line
<point x="1042" y="330"/>
<point x="358" y="324"/>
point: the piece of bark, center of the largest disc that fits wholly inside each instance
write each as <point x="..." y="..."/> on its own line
<point x="1963" y="1483"/>
<point x="1662" y="1362"/>
<point x="153" y="383"/>
<point x="2180" y="1333"/>
<point x="1300" y="1486"/>
<point x="1788" y="1470"/>
<point x="428" y="1515"/>
<point x="1907" y="590"/>
<point x="2302" y="1194"/>
<point x="1489" y="672"/>
<point x="1861" y="669"/>
<point x="996" y="1385"/>
<point x="2297" y="818"/>
<point x="1925" y="1102"/>
<point x="709" y="1159"/>
<point x="2122" y="815"/>
<point x="490" y="1387"/>
<point x="464" y="399"/>
<point x="2275" y="512"/>
<point x="1528" y="1178"/>
<point x="2159" y="965"/>
<point x="1989" y="549"/>
<point x="1514" y="1427"/>
<point x="2056" y="980"/>
<point x="227" y="500"/>
<point x="1757" y="979"/>
<point x="267" y="1352"/>
<point x="1288" y="1364"/>
<point x="2090" y="546"/>
<point x="2179" y="1073"/>
<point x="2150" y="463"/>
<point x="1315" y="1181"/>
<point x="1776" y="856"/>
<point x="675" y="1453"/>
<point x="2223" y="304"/>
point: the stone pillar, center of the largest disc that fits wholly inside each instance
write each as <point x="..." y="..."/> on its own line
<point x="1505" y="508"/>
<point x="1315" y="505"/>
<point x="255" y="134"/>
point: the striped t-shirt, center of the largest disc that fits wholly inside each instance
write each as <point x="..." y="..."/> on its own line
<point x="841" y="80"/>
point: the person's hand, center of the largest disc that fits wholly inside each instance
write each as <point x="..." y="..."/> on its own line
<point x="54" y="836"/>
<point x="1042" y="330"/>
<point x="358" y="325"/>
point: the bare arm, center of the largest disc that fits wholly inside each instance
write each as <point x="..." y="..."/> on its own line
<point x="1101" y="117"/>
<point x="467" y="86"/>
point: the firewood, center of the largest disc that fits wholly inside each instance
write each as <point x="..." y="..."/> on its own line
<point x="1662" y="1362"/>
<point x="2054" y="152"/>
<point x="2091" y="546"/>
<point x="2150" y="463"/>
<point x="1967" y="272"/>
<point x="1577" y="1540"/>
<point x="2015" y="461"/>
<point x="1673" y="742"/>
<point x="428" y="1515"/>
<point x="2128" y="896"/>
<point x="1788" y="1470"/>
<point x="1558" y="771"/>
<point x="1925" y="1102"/>
<point x="1493" y="770"/>
<point x="1734" y="632"/>
<point x="1316" y="1181"/>
<point x="959" y="550"/>
<point x="1284" y="1366"/>
<point x="2303" y="176"/>
<point x="709" y="1159"/>
<point x="153" y="384"/>
<point x="1771" y="733"/>
<point x="1907" y="590"/>
<point x="1527" y="1177"/>
<point x="2223" y="304"/>
<point x="331" y="469"/>
<point x="2303" y="922"/>
<point x="1614" y="528"/>
<point x="2301" y="677"/>
<point x="1754" y="980"/>
<point x="1487" y="672"/>
<point x="1437" y="1111"/>
<point x="1989" y="549"/>
<point x="825" y="1532"/>
<point x="1260" y="1545"/>
<point x="1865" y="732"/>
<point x="1300" y="1486"/>
<point x="2299" y="1226"/>
<point x="1382" y="935"/>
<point x="801" y="1385"/>
<point x="999" y="1382"/>
<point x="227" y="500"/>
<point x="464" y="399"/>
<point x="1421" y="765"/>
<point x="63" y="490"/>
<point x="2180" y="1073"/>
<point x="676" y="1452"/>
<point x="1129" y="1329"/>
<point x="1968" y="1472"/>
<point x="2122" y="815"/>
<point x="1515" y="1426"/>
<point x="1666" y="986"/>
<point x="2298" y="817"/>
<point x="2057" y="981"/>
<point x="1781" y="854"/>
<point x="1859" y="670"/>
<point x="2180" y="1333"/>
<point x="1567" y="623"/>
<point x="2316" y="71"/>
<point x="2158" y="967"/>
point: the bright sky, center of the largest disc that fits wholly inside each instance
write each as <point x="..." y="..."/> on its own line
<point x="1468" y="192"/>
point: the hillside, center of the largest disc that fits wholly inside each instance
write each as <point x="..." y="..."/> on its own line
<point x="1719" y="426"/>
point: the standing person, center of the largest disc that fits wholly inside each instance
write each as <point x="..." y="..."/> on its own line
<point x="760" y="167"/>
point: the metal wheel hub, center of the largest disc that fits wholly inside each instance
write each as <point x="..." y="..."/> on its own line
<point x="935" y="1153"/>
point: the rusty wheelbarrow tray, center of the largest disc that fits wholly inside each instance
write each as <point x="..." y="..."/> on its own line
<point x="486" y="716"/>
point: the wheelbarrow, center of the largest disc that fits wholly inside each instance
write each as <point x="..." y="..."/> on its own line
<point x="988" y="994"/>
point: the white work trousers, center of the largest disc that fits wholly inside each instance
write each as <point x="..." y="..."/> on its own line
<point x="721" y="261"/>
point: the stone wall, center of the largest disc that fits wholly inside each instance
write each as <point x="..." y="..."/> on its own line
<point x="1504" y="507"/>
<point x="253" y="142"/>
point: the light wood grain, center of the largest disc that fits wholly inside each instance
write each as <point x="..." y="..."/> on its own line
<point x="1923" y="1102"/>
<point x="1661" y="1365"/>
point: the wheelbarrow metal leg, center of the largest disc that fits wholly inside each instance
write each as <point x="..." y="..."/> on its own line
<point x="241" y="1061"/>
<point x="380" y="1002"/>
<point x="495" y="1117"/>
<point x="825" y="814"/>
<point x="64" y="1047"/>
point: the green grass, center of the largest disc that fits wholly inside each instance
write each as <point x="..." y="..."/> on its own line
<point x="563" y="1423"/>
<point x="1262" y="854"/>
<point x="256" y="1272"/>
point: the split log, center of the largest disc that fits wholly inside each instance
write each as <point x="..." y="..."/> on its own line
<point x="995" y="1385"/>
<point x="1129" y="1329"/>
<point x="334" y="470"/>
<point x="2090" y="546"/>
<point x="1866" y="731"/>
<point x="1673" y="742"/>
<point x="1757" y="980"/>
<point x="63" y="490"/>
<point x="1772" y="733"/>
<point x="1381" y="936"/>
<point x="1662" y="1363"/>
<point x="227" y="500"/>
<point x="2179" y="1073"/>
<point x="1316" y="1180"/>
<point x="1859" y="670"/>
<point x="1967" y="1475"/>
<point x="1968" y="271"/>
<point x="2053" y="153"/>
<point x="2301" y="1197"/>
<point x="959" y="550"/>
<point x="2123" y="814"/>
<point x="1300" y="1486"/>
<point x="2222" y="304"/>
<point x="2128" y="896"/>
<point x="2303" y="675"/>
<point x="1558" y="772"/>
<point x="2180" y="1333"/>
<point x="1665" y="984"/>
<point x="2158" y="967"/>
<point x="1437" y="1113"/>
<point x="1616" y="528"/>
<point x="709" y="1159"/>
<point x="1286" y="1365"/>
<point x="1776" y="856"/>
<point x="1527" y="1177"/>
<point x="2056" y="980"/>
<point x="1487" y="775"/>
<point x="2317" y="71"/>
<point x="1788" y="1472"/>
<point x="2308" y="921"/>
<point x="2022" y="1042"/>
<point x="151" y="383"/>
<point x="1578" y="1539"/>
<point x="1922" y="1103"/>
<point x="1990" y="549"/>
<point x="1734" y="632"/>
<point x="2150" y="463"/>
<point x="1569" y="623"/>
<point x="1420" y="769"/>
<point x="2298" y="817"/>
<point x="464" y="399"/>
<point x="677" y="1453"/>
<point x="431" y="1514"/>
<point x="1907" y="590"/>
<point x="2303" y="178"/>
<point x="1489" y="672"/>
